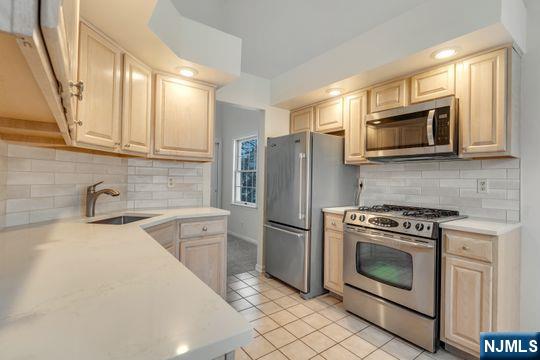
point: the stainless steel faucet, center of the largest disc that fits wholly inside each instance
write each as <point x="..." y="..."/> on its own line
<point x="92" y="195"/>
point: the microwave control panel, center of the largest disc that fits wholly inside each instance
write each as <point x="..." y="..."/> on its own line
<point x="442" y="127"/>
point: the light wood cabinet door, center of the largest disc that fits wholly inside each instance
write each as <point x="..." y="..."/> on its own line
<point x="206" y="258"/>
<point x="165" y="235"/>
<point x="355" y="110"/>
<point x="329" y="115"/>
<point x="136" y="106"/>
<point x="333" y="261"/>
<point x="482" y="103"/>
<point x="98" y="115"/>
<point x="467" y="301"/>
<point x="390" y="95"/>
<point x="433" y="84"/>
<point x="184" y="119"/>
<point x="59" y="22"/>
<point x="301" y="120"/>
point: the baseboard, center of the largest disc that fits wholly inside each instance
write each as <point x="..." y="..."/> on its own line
<point x="242" y="237"/>
<point x="259" y="268"/>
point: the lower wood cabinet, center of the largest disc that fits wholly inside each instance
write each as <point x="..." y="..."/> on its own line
<point x="480" y="280"/>
<point x="166" y="235"/>
<point x="333" y="253"/>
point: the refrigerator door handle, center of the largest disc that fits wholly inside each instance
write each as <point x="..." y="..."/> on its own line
<point x="301" y="157"/>
<point x="283" y="230"/>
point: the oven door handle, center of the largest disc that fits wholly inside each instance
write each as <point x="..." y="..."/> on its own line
<point x="429" y="127"/>
<point x="389" y="241"/>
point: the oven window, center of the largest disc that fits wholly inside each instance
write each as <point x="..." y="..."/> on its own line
<point x="385" y="264"/>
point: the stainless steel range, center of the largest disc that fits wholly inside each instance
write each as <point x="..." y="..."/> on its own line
<point x="392" y="268"/>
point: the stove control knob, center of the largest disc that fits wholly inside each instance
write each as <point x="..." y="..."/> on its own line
<point x="362" y="217"/>
<point x="419" y="227"/>
<point x="353" y="217"/>
<point x="407" y="225"/>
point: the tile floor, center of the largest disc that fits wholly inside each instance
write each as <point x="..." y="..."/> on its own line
<point x="289" y="327"/>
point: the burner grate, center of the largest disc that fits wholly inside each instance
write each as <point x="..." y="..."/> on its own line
<point x="411" y="211"/>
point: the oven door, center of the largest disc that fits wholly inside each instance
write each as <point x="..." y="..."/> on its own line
<point x="395" y="267"/>
<point x="424" y="129"/>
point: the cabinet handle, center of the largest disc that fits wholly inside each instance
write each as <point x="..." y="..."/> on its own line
<point x="204" y="228"/>
<point x="78" y="122"/>
<point x="79" y="89"/>
<point x="127" y="145"/>
<point x="333" y="223"/>
<point x="465" y="247"/>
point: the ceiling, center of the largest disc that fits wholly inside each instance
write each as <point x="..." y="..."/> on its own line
<point x="279" y="35"/>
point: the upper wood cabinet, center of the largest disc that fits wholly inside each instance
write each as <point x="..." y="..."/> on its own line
<point x="98" y="114"/>
<point x="136" y="106"/>
<point x="482" y="93"/>
<point x="390" y="95"/>
<point x="329" y="115"/>
<point x="184" y="119"/>
<point x="433" y="84"/>
<point x="301" y="120"/>
<point x="354" y="112"/>
<point x="59" y="23"/>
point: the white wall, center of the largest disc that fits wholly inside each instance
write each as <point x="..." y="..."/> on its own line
<point x="238" y="122"/>
<point x="530" y="148"/>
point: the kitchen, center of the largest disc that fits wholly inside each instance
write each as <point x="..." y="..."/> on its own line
<point x="367" y="195"/>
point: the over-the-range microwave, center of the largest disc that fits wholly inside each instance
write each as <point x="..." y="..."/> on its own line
<point x="419" y="131"/>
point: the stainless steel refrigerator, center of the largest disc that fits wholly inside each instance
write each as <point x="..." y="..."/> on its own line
<point x="305" y="172"/>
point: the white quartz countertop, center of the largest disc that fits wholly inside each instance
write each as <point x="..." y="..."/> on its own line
<point x="480" y="226"/>
<point x="73" y="290"/>
<point x="338" y="210"/>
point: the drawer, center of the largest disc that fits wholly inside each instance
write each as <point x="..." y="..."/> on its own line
<point x="333" y="222"/>
<point x="202" y="228"/>
<point x="468" y="245"/>
<point x="163" y="233"/>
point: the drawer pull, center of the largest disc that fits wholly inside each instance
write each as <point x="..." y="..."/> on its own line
<point x="465" y="247"/>
<point x="205" y="228"/>
<point x="333" y="223"/>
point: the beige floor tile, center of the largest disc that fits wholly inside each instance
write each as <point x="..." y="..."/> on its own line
<point x="240" y="304"/>
<point x="233" y="296"/>
<point x="375" y="336"/>
<point x="259" y="347"/>
<point x="316" y="320"/>
<point x="333" y="313"/>
<point x="264" y="325"/>
<point x="283" y="317"/>
<point x="252" y="281"/>
<point x="273" y="294"/>
<point x="401" y="350"/>
<point x="358" y="346"/>
<point x="252" y="314"/>
<point x="247" y="291"/>
<point x="257" y="299"/>
<point x="231" y="279"/>
<point x="244" y="276"/>
<point x="276" y="355"/>
<point x="423" y="356"/>
<point x="441" y="354"/>
<point x="300" y="310"/>
<point x="255" y="273"/>
<point x="262" y="287"/>
<point x="298" y="351"/>
<point x="352" y="323"/>
<point x="318" y="341"/>
<point x="329" y="299"/>
<point x="338" y="352"/>
<point x="273" y="283"/>
<point x="238" y="285"/>
<point x="315" y="305"/>
<point x="379" y="355"/>
<point x="336" y="332"/>
<point x="286" y="302"/>
<point x="269" y="307"/>
<point x="298" y="298"/>
<point x="318" y="357"/>
<point x="286" y="290"/>
<point x="279" y="337"/>
<point x="339" y="306"/>
<point x="299" y="328"/>
<point x="239" y="354"/>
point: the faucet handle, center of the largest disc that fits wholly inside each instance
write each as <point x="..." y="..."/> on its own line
<point x="92" y="188"/>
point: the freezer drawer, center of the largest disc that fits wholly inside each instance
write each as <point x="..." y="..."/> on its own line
<point x="287" y="255"/>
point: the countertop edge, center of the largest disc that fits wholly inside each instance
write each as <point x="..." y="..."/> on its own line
<point x="480" y="227"/>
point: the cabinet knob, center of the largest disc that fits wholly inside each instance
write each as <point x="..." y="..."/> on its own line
<point x="78" y="122"/>
<point x="127" y="145"/>
<point x="465" y="247"/>
<point x="333" y="223"/>
<point x="204" y="228"/>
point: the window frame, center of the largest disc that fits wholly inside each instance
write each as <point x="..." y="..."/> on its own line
<point x="237" y="143"/>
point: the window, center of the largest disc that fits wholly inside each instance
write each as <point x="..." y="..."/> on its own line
<point x="245" y="171"/>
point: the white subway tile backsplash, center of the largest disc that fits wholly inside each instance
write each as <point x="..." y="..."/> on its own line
<point x="447" y="184"/>
<point x="73" y="178"/>
<point x="19" y="205"/>
<point x="30" y="152"/>
<point x="18" y="164"/>
<point x="29" y="178"/>
<point x="151" y="171"/>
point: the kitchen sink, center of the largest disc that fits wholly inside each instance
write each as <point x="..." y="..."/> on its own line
<point x="121" y="220"/>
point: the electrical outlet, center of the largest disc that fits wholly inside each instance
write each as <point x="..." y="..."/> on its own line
<point x="482" y="186"/>
<point x="170" y="182"/>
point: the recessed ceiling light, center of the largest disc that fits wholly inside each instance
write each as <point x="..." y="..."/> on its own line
<point x="444" y="53"/>
<point x="334" y="92"/>
<point x="188" y="72"/>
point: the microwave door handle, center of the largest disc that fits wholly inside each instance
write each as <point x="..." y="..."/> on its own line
<point x="429" y="127"/>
